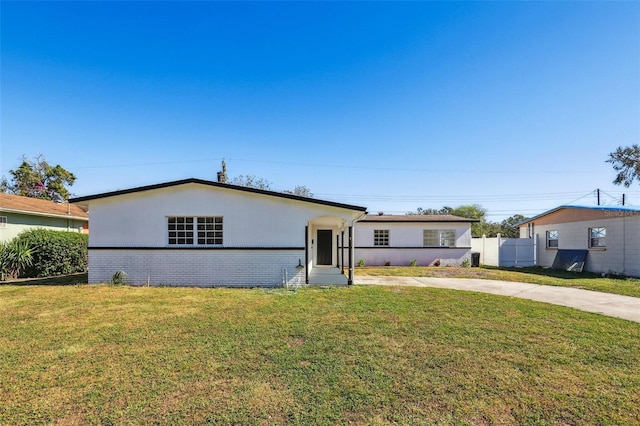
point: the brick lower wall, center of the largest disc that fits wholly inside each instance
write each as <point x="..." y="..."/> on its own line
<point x="207" y="268"/>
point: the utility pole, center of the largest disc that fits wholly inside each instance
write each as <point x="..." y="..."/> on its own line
<point x="598" y="192"/>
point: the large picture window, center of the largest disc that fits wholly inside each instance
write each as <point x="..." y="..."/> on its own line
<point x="194" y="230"/>
<point x="597" y="237"/>
<point x="439" y="238"/>
<point x="380" y="237"/>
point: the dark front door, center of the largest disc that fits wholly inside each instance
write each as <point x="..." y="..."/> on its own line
<point x="325" y="243"/>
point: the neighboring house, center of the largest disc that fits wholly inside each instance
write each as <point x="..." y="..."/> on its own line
<point x="428" y="239"/>
<point x="19" y="213"/>
<point x="611" y="236"/>
<point x="201" y="233"/>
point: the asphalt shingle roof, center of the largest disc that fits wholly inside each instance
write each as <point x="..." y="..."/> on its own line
<point x="27" y="205"/>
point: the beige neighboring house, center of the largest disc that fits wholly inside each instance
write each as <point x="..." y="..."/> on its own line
<point x="19" y="213"/>
<point x="610" y="235"/>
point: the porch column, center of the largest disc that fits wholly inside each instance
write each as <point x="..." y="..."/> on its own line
<point x="306" y="254"/>
<point x="338" y="250"/>
<point x="342" y="250"/>
<point x="350" y="278"/>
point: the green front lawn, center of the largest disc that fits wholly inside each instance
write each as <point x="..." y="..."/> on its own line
<point x="358" y="355"/>
<point x="535" y="275"/>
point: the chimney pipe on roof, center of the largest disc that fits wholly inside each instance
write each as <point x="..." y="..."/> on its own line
<point x="222" y="176"/>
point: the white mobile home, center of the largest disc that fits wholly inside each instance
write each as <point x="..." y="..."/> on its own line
<point x="610" y="235"/>
<point x="427" y="239"/>
<point x="201" y="233"/>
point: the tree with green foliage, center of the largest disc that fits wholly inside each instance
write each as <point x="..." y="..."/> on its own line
<point x="251" y="181"/>
<point x="39" y="179"/>
<point x="507" y="228"/>
<point x="300" y="191"/>
<point x="626" y="161"/>
<point x="443" y="211"/>
<point x="470" y="211"/>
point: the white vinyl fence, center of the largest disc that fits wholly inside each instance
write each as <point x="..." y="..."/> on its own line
<point x="506" y="252"/>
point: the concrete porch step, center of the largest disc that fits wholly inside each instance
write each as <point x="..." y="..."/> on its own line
<point x="327" y="276"/>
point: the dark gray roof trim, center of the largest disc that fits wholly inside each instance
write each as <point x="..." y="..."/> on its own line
<point x="217" y="185"/>
<point x="416" y="218"/>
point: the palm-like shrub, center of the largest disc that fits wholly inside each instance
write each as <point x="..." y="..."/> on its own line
<point x="15" y="256"/>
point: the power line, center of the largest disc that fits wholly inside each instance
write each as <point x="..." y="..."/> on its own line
<point x="487" y="198"/>
<point x="330" y="166"/>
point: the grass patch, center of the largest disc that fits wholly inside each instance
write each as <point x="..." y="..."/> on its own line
<point x="534" y="275"/>
<point x="359" y="355"/>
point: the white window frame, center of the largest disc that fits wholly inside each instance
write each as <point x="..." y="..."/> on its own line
<point x="209" y="230"/>
<point x="3" y="222"/>
<point x="598" y="235"/>
<point x="553" y="236"/>
<point x="195" y="231"/>
<point x="441" y="236"/>
<point x="381" y="237"/>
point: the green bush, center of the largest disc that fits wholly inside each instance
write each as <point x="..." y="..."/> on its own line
<point x="55" y="252"/>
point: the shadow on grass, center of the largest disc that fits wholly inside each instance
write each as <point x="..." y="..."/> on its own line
<point x="548" y="272"/>
<point x="72" y="279"/>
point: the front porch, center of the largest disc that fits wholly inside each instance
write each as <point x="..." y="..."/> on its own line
<point x="329" y="250"/>
<point x="327" y="276"/>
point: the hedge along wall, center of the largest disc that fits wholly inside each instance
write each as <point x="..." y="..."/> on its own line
<point x="55" y="252"/>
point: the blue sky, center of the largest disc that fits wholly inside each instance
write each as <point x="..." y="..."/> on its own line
<point x="393" y="106"/>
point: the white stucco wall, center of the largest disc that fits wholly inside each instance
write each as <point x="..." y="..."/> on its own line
<point x="406" y="243"/>
<point x="249" y="220"/>
<point x="263" y="236"/>
<point x="622" y="253"/>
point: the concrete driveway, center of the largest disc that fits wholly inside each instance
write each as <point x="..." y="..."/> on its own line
<point x="612" y="305"/>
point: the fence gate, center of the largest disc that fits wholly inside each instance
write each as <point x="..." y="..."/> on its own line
<point x="507" y="252"/>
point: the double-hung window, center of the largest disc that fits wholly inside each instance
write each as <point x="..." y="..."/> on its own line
<point x="552" y="239"/>
<point x="3" y="222"/>
<point x="188" y="230"/>
<point x="381" y="237"/>
<point x="439" y="238"/>
<point x="597" y="237"/>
